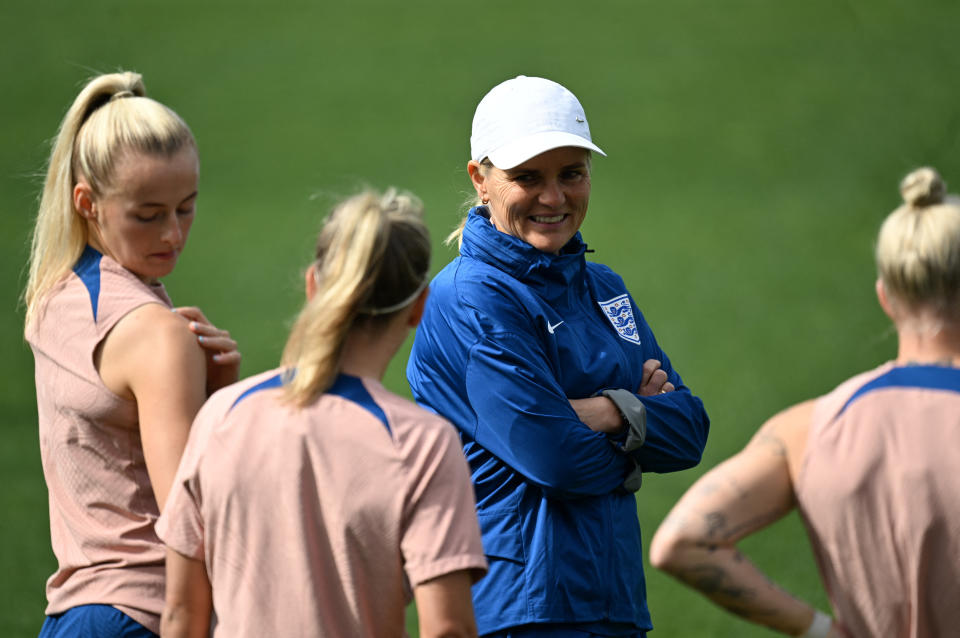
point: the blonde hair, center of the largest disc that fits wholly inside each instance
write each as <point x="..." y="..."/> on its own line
<point x="373" y="260"/>
<point x="457" y="234"/>
<point x="110" y="116"/>
<point x="918" y="247"/>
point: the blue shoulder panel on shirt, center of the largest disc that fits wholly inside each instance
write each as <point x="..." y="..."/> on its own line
<point x="352" y="389"/>
<point x="930" y="377"/>
<point x="273" y="382"/>
<point x="88" y="269"/>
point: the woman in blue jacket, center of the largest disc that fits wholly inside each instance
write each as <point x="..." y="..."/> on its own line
<point x="559" y="390"/>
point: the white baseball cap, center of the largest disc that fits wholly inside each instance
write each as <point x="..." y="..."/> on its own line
<point x="523" y="117"/>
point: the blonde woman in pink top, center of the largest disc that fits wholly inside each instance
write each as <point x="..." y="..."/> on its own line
<point x="119" y="376"/>
<point x="871" y="466"/>
<point x="310" y="500"/>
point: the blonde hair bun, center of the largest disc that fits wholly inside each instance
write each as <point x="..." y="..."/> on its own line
<point x="923" y="187"/>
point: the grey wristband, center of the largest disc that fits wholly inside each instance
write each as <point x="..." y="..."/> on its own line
<point x="634" y="413"/>
<point x="634" y="479"/>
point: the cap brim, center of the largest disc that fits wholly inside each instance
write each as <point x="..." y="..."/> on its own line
<point x="519" y="151"/>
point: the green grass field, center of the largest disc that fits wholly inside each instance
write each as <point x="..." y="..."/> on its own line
<point x="754" y="147"/>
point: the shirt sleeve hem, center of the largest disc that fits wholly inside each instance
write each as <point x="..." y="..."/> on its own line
<point x="419" y="574"/>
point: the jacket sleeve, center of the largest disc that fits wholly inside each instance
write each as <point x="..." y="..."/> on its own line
<point x="677" y="424"/>
<point x="524" y="418"/>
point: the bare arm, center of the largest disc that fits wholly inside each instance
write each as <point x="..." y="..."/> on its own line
<point x="186" y="613"/>
<point x="445" y="608"/>
<point x="152" y="357"/>
<point x="697" y="541"/>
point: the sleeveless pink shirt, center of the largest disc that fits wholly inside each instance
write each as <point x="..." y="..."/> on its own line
<point x="880" y="495"/>
<point x="102" y="507"/>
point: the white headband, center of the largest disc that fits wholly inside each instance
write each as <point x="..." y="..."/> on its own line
<point x="401" y="304"/>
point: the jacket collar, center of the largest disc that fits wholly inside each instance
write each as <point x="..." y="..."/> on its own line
<point x="517" y="258"/>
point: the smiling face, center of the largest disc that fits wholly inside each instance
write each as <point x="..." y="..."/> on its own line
<point x="143" y="217"/>
<point x="543" y="201"/>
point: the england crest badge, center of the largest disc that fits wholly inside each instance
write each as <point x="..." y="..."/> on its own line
<point x="620" y="313"/>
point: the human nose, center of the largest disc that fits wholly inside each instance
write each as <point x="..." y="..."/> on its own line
<point x="172" y="230"/>
<point x="552" y="194"/>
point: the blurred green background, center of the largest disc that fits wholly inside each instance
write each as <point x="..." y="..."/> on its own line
<point x="754" y="147"/>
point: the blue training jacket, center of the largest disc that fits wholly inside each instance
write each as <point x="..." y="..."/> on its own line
<point x="509" y="334"/>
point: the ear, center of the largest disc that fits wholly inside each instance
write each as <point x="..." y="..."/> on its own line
<point x="310" y="280"/>
<point x="416" y="314"/>
<point x="83" y="201"/>
<point x="477" y="177"/>
<point x="885" y="302"/>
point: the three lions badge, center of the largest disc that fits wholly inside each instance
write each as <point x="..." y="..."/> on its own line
<point x="620" y="313"/>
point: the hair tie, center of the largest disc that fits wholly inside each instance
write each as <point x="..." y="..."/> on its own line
<point x="121" y="94"/>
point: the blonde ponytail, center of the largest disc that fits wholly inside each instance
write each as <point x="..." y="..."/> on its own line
<point x="110" y="116"/>
<point x="373" y="254"/>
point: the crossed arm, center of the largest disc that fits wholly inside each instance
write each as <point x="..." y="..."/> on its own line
<point x="601" y="415"/>
<point x="697" y="542"/>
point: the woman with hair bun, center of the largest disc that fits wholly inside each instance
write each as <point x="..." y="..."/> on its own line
<point x="311" y="500"/>
<point x="871" y="466"/>
<point x="119" y="376"/>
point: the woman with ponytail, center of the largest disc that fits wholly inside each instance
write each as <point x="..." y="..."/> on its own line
<point x="871" y="466"/>
<point x="119" y="376"/>
<point x="311" y="500"/>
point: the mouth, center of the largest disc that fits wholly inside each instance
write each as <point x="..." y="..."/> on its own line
<point x="548" y="219"/>
<point x="166" y="256"/>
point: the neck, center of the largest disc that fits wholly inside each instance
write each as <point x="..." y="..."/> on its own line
<point x="367" y="352"/>
<point x="931" y="343"/>
<point x="93" y="239"/>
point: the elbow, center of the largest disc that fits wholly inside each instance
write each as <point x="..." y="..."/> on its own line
<point x="695" y="455"/>
<point x="669" y="550"/>
<point x="689" y="451"/>
<point x="174" y="622"/>
<point x="182" y="620"/>
<point x="676" y="460"/>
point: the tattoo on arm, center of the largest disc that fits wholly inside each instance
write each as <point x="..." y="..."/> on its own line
<point x="716" y="583"/>
<point x="719" y="529"/>
<point x="711" y="484"/>
<point x="772" y="442"/>
<point x="716" y="522"/>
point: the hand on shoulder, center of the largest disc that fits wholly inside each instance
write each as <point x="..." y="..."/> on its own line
<point x="223" y="357"/>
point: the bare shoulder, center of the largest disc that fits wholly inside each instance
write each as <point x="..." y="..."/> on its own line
<point x="153" y="325"/>
<point x="150" y="339"/>
<point x="785" y="434"/>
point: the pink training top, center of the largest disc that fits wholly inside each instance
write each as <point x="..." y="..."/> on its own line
<point x="102" y="507"/>
<point x="318" y="521"/>
<point x="879" y="493"/>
